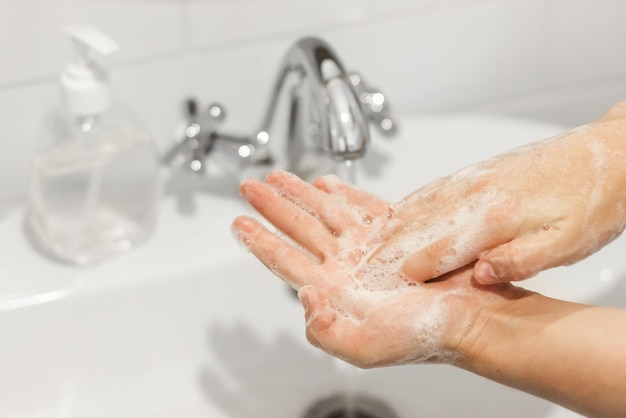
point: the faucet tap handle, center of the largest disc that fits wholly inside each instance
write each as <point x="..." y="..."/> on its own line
<point x="200" y="137"/>
<point x="176" y="155"/>
<point x="190" y="108"/>
<point x="203" y="129"/>
<point x="214" y="116"/>
<point x="189" y="149"/>
<point x="375" y="105"/>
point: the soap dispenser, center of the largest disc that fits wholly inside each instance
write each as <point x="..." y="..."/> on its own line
<point x="95" y="184"/>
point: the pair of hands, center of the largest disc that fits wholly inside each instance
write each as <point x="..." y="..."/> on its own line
<point x="363" y="311"/>
<point x="385" y="284"/>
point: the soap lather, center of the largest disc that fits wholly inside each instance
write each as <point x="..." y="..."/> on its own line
<point x="95" y="185"/>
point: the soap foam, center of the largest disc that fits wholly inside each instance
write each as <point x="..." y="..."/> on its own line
<point x="367" y="285"/>
<point x="470" y="217"/>
<point x="601" y="186"/>
<point x="376" y="282"/>
<point x="422" y="324"/>
<point x="429" y="330"/>
<point x="372" y="283"/>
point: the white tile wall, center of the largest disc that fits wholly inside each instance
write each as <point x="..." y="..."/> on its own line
<point x="32" y="46"/>
<point x="452" y="56"/>
<point x="589" y="39"/>
<point x="427" y="55"/>
<point x="226" y="22"/>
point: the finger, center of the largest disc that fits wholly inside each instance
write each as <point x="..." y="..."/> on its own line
<point x="334" y="334"/>
<point x="370" y="204"/>
<point x="432" y="247"/>
<point x="430" y="199"/>
<point x="428" y="246"/>
<point x="341" y="336"/>
<point x="524" y="257"/>
<point x="617" y="111"/>
<point x="436" y="259"/>
<point x="321" y="316"/>
<point x="435" y="201"/>
<point x="360" y="343"/>
<point x="317" y="312"/>
<point x="294" y="220"/>
<point x="335" y="215"/>
<point x="419" y="195"/>
<point x="286" y="261"/>
<point x="406" y="218"/>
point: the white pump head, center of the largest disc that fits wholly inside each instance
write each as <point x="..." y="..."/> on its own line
<point x="85" y="84"/>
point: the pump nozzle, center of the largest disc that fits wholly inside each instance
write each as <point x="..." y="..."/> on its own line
<point x="85" y="84"/>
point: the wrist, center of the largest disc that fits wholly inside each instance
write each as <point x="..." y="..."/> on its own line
<point x="487" y="320"/>
<point x="553" y="349"/>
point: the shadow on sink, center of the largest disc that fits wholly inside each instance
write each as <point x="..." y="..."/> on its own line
<point x="274" y="379"/>
<point x="285" y="377"/>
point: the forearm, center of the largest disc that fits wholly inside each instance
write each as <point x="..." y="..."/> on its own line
<point x="571" y="354"/>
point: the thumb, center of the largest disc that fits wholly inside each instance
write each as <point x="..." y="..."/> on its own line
<point x="519" y="259"/>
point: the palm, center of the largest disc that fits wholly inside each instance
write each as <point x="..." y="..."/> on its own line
<point x="359" y="307"/>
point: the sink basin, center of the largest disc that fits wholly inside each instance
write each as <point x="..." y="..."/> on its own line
<point x="190" y="325"/>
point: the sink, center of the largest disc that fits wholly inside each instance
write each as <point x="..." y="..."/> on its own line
<point x="190" y="325"/>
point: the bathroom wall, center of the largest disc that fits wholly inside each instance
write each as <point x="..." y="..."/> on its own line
<point x="557" y="60"/>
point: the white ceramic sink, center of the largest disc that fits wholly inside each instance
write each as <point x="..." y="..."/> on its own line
<point x="190" y="325"/>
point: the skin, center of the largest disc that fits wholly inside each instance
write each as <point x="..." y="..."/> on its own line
<point x="568" y="353"/>
<point x="516" y="337"/>
<point x="334" y="239"/>
<point x="553" y="203"/>
<point x="344" y="318"/>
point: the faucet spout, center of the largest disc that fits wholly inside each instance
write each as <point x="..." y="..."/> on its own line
<point x="325" y="115"/>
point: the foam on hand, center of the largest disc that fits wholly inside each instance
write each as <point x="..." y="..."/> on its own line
<point x="364" y="281"/>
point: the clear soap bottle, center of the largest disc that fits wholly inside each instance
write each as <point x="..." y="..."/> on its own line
<point x="95" y="185"/>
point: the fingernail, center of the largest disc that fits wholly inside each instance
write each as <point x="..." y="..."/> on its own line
<point x="485" y="274"/>
<point x="241" y="236"/>
<point x="245" y="189"/>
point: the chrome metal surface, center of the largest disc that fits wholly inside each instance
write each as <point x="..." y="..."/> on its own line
<point x="356" y="405"/>
<point x="327" y="117"/>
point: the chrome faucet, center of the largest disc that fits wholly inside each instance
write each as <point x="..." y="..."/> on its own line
<point x="328" y="112"/>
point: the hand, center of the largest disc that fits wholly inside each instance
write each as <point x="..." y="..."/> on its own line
<point x="548" y="204"/>
<point x="364" y="312"/>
